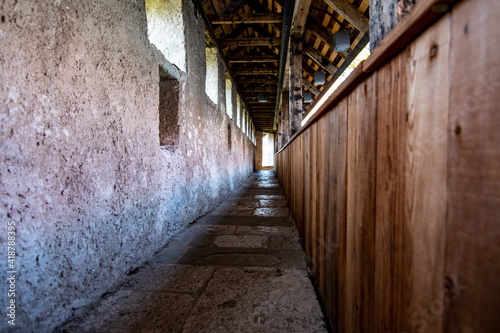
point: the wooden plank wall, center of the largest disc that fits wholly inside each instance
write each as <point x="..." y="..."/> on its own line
<point x="396" y="190"/>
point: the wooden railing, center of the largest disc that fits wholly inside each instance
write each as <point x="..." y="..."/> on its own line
<point x="395" y="183"/>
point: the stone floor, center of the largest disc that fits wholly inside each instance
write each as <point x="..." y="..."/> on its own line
<point x="240" y="268"/>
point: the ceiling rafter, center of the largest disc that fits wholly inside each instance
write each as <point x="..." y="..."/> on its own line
<point x="254" y="59"/>
<point x="249" y="35"/>
<point x="321" y="61"/>
<point x="301" y="12"/>
<point x="351" y="14"/>
<point x="266" y="81"/>
<point x="249" y="41"/>
<point x="260" y="71"/>
<point x="246" y="18"/>
<point x="322" y="33"/>
<point x="311" y="87"/>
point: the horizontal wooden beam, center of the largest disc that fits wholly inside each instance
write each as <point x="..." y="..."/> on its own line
<point x="256" y="59"/>
<point x="310" y="87"/>
<point x="351" y="14"/>
<point x="270" y="100"/>
<point x="246" y="18"/>
<point x="308" y="69"/>
<point x="249" y="41"/>
<point x="213" y="37"/>
<point x="270" y="81"/>
<point x="323" y="34"/>
<point x="260" y="71"/>
<point x="257" y="89"/>
<point x="318" y="58"/>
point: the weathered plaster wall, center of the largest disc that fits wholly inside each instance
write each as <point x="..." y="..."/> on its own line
<point x="82" y="173"/>
<point x="165" y="24"/>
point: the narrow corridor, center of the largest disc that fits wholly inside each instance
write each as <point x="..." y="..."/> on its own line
<point x="240" y="268"/>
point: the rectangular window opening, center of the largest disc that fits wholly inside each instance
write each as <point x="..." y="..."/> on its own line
<point x="168" y="110"/>
<point x="229" y="138"/>
<point x="212" y="74"/>
<point x="267" y="149"/>
<point x="229" y="98"/>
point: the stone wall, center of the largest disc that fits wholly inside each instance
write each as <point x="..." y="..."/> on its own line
<point x="82" y="173"/>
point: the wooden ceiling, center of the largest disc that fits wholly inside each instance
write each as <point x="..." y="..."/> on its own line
<point x="249" y="36"/>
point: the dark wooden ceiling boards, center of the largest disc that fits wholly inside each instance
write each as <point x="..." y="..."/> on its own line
<point x="248" y="34"/>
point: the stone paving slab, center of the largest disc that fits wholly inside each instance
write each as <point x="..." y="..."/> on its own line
<point x="272" y="212"/>
<point x="159" y="277"/>
<point x="133" y="311"/>
<point x="232" y="302"/>
<point x="252" y="257"/>
<point x="247" y="221"/>
<point x="230" y="271"/>
<point x="267" y="230"/>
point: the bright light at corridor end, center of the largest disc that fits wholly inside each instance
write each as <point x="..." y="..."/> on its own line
<point x="365" y="53"/>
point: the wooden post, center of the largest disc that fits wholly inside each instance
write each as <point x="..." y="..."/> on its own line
<point x="285" y="120"/>
<point x="279" y="136"/>
<point x="295" y="85"/>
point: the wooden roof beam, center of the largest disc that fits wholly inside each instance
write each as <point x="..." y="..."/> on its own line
<point x="246" y="18"/>
<point x="311" y="87"/>
<point x="267" y="81"/>
<point x="249" y="42"/>
<point x="259" y="71"/>
<point x="255" y="59"/>
<point x="250" y="90"/>
<point x="300" y="14"/>
<point x="288" y="11"/>
<point x="211" y="32"/>
<point x="234" y="6"/>
<point x="263" y="9"/>
<point x="323" y="34"/>
<point x="321" y="61"/>
<point x="308" y="69"/>
<point x="351" y="14"/>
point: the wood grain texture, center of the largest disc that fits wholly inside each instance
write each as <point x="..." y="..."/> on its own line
<point x="337" y="210"/>
<point x="321" y="202"/>
<point x="295" y="86"/>
<point x="425" y="171"/>
<point x="473" y="229"/>
<point x="392" y="239"/>
<point x="307" y="193"/>
<point x="361" y="166"/>
<point x="312" y="198"/>
<point x="352" y="14"/>
<point x="402" y="186"/>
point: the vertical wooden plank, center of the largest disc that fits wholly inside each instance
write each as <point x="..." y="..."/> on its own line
<point x="473" y="229"/>
<point x="300" y="209"/>
<point x="361" y="206"/>
<point x="337" y="209"/>
<point x="321" y="200"/>
<point x="292" y="175"/>
<point x="326" y="239"/>
<point x="312" y="199"/>
<point x="307" y="191"/>
<point x="425" y="173"/>
<point x="392" y="240"/>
